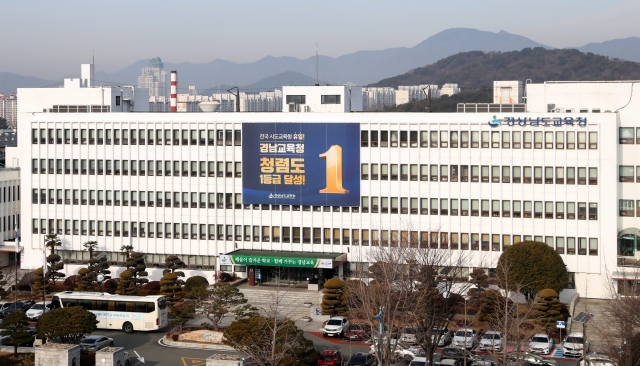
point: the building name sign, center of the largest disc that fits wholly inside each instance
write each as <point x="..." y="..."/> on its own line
<point x="253" y="260"/>
<point x="538" y="121"/>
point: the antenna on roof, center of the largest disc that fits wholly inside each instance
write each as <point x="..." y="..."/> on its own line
<point x="93" y="65"/>
<point x="317" y="65"/>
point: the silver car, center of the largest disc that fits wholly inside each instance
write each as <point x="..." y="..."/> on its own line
<point x="95" y="343"/>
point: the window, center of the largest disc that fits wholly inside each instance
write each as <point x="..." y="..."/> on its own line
<point x="485" y="139"/>
<point x="464" y="207"/>
<point x="364" y="171"/>
<point x="475" y="173"/>
<point x="364" y="138"/>
<point x="495" y="208"/>
<point x="537" y="175"/>
<point x="537" y="209"/>
<point x="582" y="176"/>
<point x="548" y="175"/>
<point x="527" y="174"/>
<point x="475" y="139"/>
<point x="559" y="210"/>
<point x="593" y="140"/>
<point x="495" y="139"/>
<point x="537" y="140"/>
<point x="413" y="138"/>
<point x="548" y="210"/>
<point x="559" y="140"/>
<point x="424" y="138"/>
<point x="394" y="138"/>
<point x="582" y="246"/>
<point x="454" y="207"/>
<point x="475" y="208"/>
<point x="384" y="138"/>
<point x="516" y="140"/>
<point x="443" y="138"/>
<point x="582" y="211"/>
<point x="464" y="173"/>
<point x="593" y="176"/>
<point x="527" y="139"/>
<point x="571" y="175"/>
<point x="527" y="209"/>
<point x="454" y="138"/>
<point x="299" y="99"/>
<point x="516" y="174"/>
<point x="505" y="139"/>
<point x="571" y="245"/>
<point x="324" y="99"/>
<point x="495" y="174"/>
<point x="593" y="246"/>
<point x="464" y="139"/>
<point x="626" y="208"/>
<point x="506" y="208"/>
<point x="559" y="175"/>
<point x="571" y="211"/>
<point x="548" y="140"/>
<point x="593" y="211"/>
<point x="582" y="140"/>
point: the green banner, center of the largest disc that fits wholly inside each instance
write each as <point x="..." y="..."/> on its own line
<point x="251" y="260"/>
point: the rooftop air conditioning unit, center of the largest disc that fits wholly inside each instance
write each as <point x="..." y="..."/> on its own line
<point x="294" y="107"/>
<point x="550" y="108"/>
<point x="559" y="110"/>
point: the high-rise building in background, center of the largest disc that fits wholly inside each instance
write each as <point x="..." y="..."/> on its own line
<point x="154" y="78"/>
<point x="9" y="109"/>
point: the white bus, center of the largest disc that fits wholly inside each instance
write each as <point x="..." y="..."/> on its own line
<point x="129" y="313"/>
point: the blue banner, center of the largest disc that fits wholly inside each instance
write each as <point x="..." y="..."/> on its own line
<point x="316" y="164"/>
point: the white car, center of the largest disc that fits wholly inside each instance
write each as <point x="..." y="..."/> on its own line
<point x="541" y="343"/>
<point x="38" y="309"/>
<point x="397" y="348"/>
<point x="574" y="344"/>
<point x="335" y="327"/>
<point x="443" y="333"/>
<point x="408" y="335"/>
<point x="465" y="337"/>
<point x="597" y="359"/>
<point x="491" y="341"/>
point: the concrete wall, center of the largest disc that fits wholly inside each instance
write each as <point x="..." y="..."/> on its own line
<point x="57" y="354"/>
<point x="112" y="356"/>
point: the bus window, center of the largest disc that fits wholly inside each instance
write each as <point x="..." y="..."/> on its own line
<point x="162" y="303"/>
<point x="102" y="305"/>
<point x="55" y="303"/>
<point x="69" y="302"/>
<point x="151" y="307"/>
<point x="141" y="307"/>
<point x="121" y="306"/>
<point x="130" y="306"/>
<point x="112" y="306"/>
<point x="87" y="304"/>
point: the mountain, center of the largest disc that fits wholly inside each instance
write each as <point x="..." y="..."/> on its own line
<point x="475" y="70"/>
<point x="626" y="48"/>
<point x="9" y="82"/>
<point x="277" y="81"/>
<point x="360" y="67"/>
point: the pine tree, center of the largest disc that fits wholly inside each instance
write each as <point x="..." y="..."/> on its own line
<point x="40" y="285"/>
<point x="16" y="326"/>
<point x="334" y="301"/>
<point x="3" y="282"/>
<point x="126" y="286"/>
<point x="55" y="266"/>
<point x="134" y="262"/>
<point x="171" y="282"/>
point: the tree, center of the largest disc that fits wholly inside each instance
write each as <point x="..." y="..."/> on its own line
<point x="134" y="262"/>
<point x="268" y="341"/>
<point x="549" y="308"/>
<point x="55" y="266"/>
<point x="3" y="123"/>
<point x="194" y="282"/>
<point x="126" y="286"/>
<point x="334" y="300"/>
<point x="220" y="300"/>
<point x="182" y="312"/>
<point x="66" y="325"/>
<point x="3" y="282"/>
<point x="41" y="284"/>
<point x="533" y="266"/>
<point x="16" y="326"/>
<point x="98" y="266"/>
<point x="171" y="282"/>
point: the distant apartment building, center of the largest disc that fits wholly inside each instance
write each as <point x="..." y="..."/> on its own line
<point x="9" y="109"/>
<point x="251" y="102"/>
<point x="449" y="89"/>
<point x="376" y="99"/>
<point x="418" y="92"/>
<point x="508" y="92"/>
<point x="154" y="78"/>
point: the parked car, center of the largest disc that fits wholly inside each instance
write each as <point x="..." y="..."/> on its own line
<point x="393" y="343"/>
<point x="28" y="304"/>
<point x="330" y="357"/>
<point x="4" y="304"/>
<point x="15" y="306"/>
<point x="409" y="336"/>
<point x="358" y="332"/>
<point x="541" y="343"/>
<point x="528" y="359"/>
<point x="411" y="352"/>
<point x="419" y="361"/>
<point x="362" y="359"/>
<point x="491" y="341"/>
<point x="95" y="343"/>
<point x="465" y="337"/>
<point x="574" y="343"/>
<point x="443" y="333"/>
<point x="460" y="357"/>
<point x="598" y="359"/>
<point x="38" y="309"/>
<point x="29" y="343"/>
<point x="335" y="327"/>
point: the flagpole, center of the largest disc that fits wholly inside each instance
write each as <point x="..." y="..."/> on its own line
<point x="17" y="256"/>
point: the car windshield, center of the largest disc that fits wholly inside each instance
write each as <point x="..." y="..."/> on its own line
<point x="535" y="357"/>
<point x="540" y="339"/>
<point x="491" y="336"/>
<point x="462" y="333"/>
<point x="37" y="306"/>
<point x="356" y="327"/>
<point x="417" y="363"/>
<point x="574" y="340"/>
<point x="334" y="322"/>
<point x="327" y="357"/>
<point x="88" y="341"/>
<point x="409" y="331"/>
<point x="358" y="359"/>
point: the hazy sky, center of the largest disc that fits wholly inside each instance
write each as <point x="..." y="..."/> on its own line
<point x="49" y="39"/>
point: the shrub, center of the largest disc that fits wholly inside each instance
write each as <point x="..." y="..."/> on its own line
<point x="194" y="282"/>
<point x="227" y="277"/>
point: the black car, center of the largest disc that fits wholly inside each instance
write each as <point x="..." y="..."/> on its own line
<point x="15" y="306"/>
<point x="528" y="359"/>
<point x="362" y="359"/>
<point x="462" y="356"/>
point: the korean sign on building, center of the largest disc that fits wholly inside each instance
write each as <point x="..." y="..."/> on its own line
<point x="538" y="121"/>
<point x="301" y="164"/>
<point x="251" y="260"/>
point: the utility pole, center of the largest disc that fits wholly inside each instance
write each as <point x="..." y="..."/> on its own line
<point x="317" y="65"/>
<point x="427" y="93"/>
<point x="237" y="94"/>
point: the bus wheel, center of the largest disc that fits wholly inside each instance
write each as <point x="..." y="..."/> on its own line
<point x="127" y="327"/>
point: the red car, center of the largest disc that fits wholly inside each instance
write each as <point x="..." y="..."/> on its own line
<point x="358" y="332"/>
<point x="330" y="357"/>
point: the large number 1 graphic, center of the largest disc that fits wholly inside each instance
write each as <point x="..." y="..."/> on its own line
<point x="333" y="158"/>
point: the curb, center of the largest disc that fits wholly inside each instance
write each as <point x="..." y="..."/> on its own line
<point x="171" y="344"/>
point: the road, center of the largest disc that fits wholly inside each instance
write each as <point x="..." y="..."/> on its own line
<point x="146" y="344"/>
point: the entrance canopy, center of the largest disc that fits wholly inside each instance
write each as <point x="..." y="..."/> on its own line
<point x="275" y="258"/>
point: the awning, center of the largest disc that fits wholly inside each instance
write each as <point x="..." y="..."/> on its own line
<point x="629" y="231"/>
<point x="275" y="258"/>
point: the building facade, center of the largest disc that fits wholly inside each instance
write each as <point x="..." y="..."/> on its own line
<point x="9" y="109"/>
<point x="9" y="214"/>
<point x="154" y="78"/>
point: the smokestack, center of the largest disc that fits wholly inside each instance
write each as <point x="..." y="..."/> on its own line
<point x="174" y="91"/>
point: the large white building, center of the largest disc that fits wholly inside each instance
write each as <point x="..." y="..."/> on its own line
<point x="470" y="183"/>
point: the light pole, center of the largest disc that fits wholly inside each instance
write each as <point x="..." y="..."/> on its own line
<point x="44" y="266"/>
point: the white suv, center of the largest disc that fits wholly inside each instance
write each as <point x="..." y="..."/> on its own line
<point x="38" y="309"/>
<point x="465" y="337"/>
<point x="574" y="344"/>
<point x="335" y="327"/>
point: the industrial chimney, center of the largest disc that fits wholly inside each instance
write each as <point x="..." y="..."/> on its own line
<point x="174" y="91"/>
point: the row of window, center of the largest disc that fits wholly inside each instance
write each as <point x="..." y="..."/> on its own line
<point x="480" y="173"/>
<point x="628" y="136"/>
<point x="136" y="198"/>
<point x="137" y="167"/>
<point x="307" y="235"/>
<point x="84" y="136"/>
<point x="629" y="209"/>
<point x="151" y="260"/>
<point x="483" y="208"/>
<point x="10" y="194"/>
<point x="626" y="174"/>
<point x="481" y="139"/>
